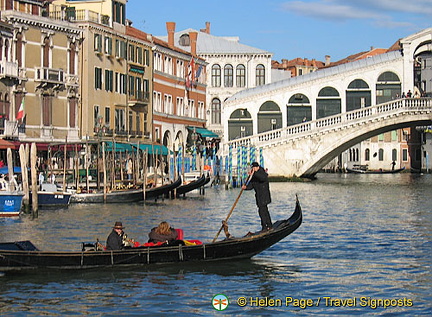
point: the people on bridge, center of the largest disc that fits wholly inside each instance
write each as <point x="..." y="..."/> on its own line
<point x="259" y="182"/>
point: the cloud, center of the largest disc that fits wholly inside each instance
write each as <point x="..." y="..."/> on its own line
<point x="329" y="10"/>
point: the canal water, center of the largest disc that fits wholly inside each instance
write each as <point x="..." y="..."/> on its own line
<point x="364" y="247"/>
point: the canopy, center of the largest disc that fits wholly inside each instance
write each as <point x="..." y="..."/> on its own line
<point x="205" y="133"/>
<point x="4" y="169"/>
<point x="131" y="147"/>
<point x="6" y="144"/>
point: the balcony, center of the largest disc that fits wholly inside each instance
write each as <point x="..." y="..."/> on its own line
<point x="8" y="69"/>
<point x="45" y="75"/>
<point x="139" y="102"/>
<point x="72" y="15"/>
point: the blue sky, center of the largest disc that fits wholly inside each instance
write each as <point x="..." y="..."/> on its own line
<point x="290" y="29"/>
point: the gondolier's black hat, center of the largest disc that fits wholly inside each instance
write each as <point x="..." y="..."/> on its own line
<point x="255" y="164"/>
<point x="118" y="225"/>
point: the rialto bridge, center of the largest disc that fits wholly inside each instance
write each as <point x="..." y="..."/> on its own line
<point x="302" y="123"/>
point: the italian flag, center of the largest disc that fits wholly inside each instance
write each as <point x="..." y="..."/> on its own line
<point x="20" y="113"/>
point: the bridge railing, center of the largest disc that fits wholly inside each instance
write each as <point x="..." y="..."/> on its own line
<point x="333" y="122"/>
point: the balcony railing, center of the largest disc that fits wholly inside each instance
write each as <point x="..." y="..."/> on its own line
<point x="49" y="75"/>
<point x="72" y="15"/>
<point x="8" y="69"/>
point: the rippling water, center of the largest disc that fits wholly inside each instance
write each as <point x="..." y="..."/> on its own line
<point x="365" y="241"/>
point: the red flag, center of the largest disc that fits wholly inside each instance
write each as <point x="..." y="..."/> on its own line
<point x="20" y="113"/>
<point x="190" y="78"/>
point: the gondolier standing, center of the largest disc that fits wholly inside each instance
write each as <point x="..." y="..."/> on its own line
<point x="259" y="182"/>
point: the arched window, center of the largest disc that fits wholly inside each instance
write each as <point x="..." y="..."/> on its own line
<point x="228" y="75"/>
<point x="299" y="109"/>
<point x="6" y="50"/>
<point x="381" y="155"/>
<point x="19" y="47"/>
<point x="394" y="155"/>
<point x="216" y="111"/>
<point x="269" y="117"/>
<point x="367" y="155"/>
<point x="72" y="52"/>
<point x="388" y="86"/>
<point x="216" y="75"/>
<point x="1" y="48"/>
<point x="46" y="52"/>
<point x="241" y="76"/>
<point x="184" y="40"/>
<point x="260" y="75"/>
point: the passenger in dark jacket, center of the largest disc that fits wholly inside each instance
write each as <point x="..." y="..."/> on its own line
<point x="163" y="233"/>
<point x="259" y="182"/>
<point x="115" y="238"/>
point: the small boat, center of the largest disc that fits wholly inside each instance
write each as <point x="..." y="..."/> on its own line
<point x="195" y="184"/>
<point x="51" y="196"/>
<point x="10" y="203"/>
<point x="24" y="255"/>
<point x="380" y="171"/>
<point x="125" y="196"/>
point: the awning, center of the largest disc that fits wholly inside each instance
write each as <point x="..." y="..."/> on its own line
<point x="154" y="149"/>
<point x="131" y="147"/>
<point x="205" y="133"/>
<point x="6" y="144"/>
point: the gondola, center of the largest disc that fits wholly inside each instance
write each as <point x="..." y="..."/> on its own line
<point x="23" y="255"/>
<point x="195" y="184"/>
<point x="380" y="171"/>
<point x="125" y="196"/>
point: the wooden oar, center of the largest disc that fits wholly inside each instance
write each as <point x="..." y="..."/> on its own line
<point x="232" y="208"/>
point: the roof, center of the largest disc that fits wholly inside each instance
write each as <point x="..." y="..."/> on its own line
<point x="211" y="44"/>
<point x="321" y="73"/>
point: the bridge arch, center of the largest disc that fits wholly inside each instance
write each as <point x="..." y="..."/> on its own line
<point x="388" y="87"/>
<point x="299" y="109"/>
<point x="358" y="95"/>
<point x="269" y="117"/>
<point x="240" y="124"/>
<point x="328" y="102"/>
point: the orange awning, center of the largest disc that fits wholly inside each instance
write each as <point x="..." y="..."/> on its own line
<point x="6" y="144"/>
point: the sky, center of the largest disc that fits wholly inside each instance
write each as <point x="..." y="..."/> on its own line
<point x="308" y="29"/>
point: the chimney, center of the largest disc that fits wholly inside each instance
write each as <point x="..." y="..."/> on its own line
<point x="193" y="41"/>
<point x="327" y="60"/>
<point x="170" y="29"/>
<point x="207" y="28"/>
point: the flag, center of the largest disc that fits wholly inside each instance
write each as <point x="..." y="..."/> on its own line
<point x="20" y="113"/>
<point x="190" y="77"/>
<point x="198" y="72"/>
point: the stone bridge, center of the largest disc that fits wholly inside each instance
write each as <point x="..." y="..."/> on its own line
<point x="302" y="150"/>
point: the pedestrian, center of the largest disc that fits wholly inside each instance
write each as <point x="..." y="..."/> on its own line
<point x="259" y="182"/>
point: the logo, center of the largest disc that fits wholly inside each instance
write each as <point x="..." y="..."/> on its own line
<point x="220" y="302"/>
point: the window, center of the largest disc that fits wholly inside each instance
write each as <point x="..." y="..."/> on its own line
<point x="228" y="75"/>
<point x="405" y="155"/>
<point x="98" y="78"/>
<point x="72" y="112"/>
<point x="260" y="75"/>
<point x="120" y="49"/>
<point x="98" y="43"/>
<point x="168" y="65"/>
<point x="109" y="78"/>
<point x="139" y="55"/>
<point x="381" y="155"/>
<point x="131" y="54"/>
<point x="108" y="45"/>
<point x="184" y="40"/>
<point x="216" y="111"/>
<point x="46" y="52"/>
<point x="107" y="116"/>
<point x="394" y="155"/>
<point x="367" y="155"/>
<point x="241" y="76"/>
<point x="72" y="55"/>
<point x="119" y="14"/>
<point x="96" y="114"/>
<point x="180" y="69"/>
<point x="46" y="110"/>
<point x="216" y="75"/>
<point x="131" y="86"/>
<point x="18" y="47"/>
<point x="120" y="120"/>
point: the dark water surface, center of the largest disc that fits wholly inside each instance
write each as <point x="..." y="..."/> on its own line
<point x="365" y="243"/>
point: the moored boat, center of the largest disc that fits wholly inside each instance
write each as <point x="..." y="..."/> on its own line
<point x="23" y="255"/>
<point x="192" y="185"/>
<point x="10" y="203"/>
<point x="379" y="171"/>
<point x="125" y="196"/>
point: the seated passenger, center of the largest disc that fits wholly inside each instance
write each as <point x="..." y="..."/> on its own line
<point x="163" y="233"/>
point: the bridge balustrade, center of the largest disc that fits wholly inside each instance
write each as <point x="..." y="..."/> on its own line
<point x="338" y="121"/>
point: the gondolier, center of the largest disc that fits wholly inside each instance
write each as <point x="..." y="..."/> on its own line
<point x="259" y="182"/>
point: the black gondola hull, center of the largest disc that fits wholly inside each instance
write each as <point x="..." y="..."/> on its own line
<point x="24" y="256"/>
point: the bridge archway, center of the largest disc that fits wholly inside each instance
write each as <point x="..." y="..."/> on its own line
<point x="388" y="87"/>
<point x="240" y="124"/>
<point x="358" y="95"/>
<point x="328" y="103"/>
<point x="269" y="117"/>
<point x="299" y="109"/>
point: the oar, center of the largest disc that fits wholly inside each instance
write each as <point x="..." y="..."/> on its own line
<point x="232" y="208"/>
